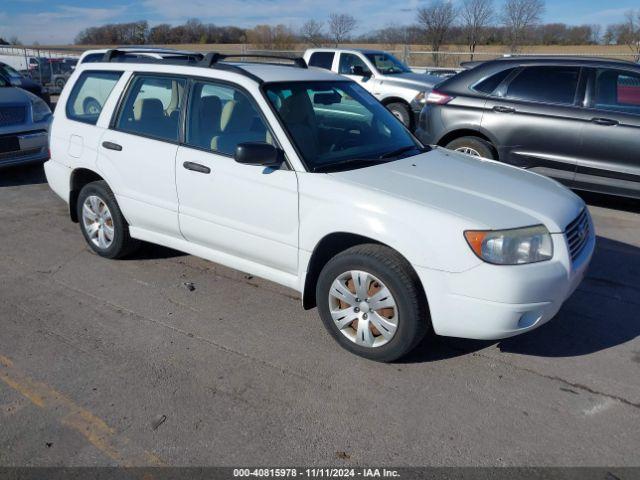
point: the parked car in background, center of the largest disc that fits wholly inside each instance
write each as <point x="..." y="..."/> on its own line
<point x="24" y="126"/>
<point x="394" y="84"/>
<point x="15" y="79"/>
<point x="300" y="176"/>
<point x="442" y="72"/>
<point x="574" y="119"/>
<point x="53" y="72"/>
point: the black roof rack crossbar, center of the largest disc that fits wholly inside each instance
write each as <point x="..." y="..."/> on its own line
<point x="115" y="53"/>
<point x="212" y="58"/>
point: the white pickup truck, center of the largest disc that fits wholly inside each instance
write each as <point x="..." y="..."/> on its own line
<point x="402" y="91"/>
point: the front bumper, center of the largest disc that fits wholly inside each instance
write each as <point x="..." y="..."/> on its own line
<point x="490" y="302"/>
<point x="24" y="147"/>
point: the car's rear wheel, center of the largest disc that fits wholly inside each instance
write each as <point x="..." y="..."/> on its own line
<point x="473" y="146"/>
<point x="401" y="112"/>
<point x="102" y="223"/>
<point x="371" y="302"/>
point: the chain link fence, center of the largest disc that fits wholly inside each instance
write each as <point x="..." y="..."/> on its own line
<point x="52" y="66"/>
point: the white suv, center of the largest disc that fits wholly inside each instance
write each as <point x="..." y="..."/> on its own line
<point x="300" y="176"/>
<point x="394" y="84"/>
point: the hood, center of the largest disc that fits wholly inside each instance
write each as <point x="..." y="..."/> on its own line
<point x="13" y="95"/>
<point x="488" y="194"/>
<point x="410" y="79"/>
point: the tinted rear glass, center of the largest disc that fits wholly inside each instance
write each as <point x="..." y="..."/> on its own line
<point x="322" y="60"/>
<point x="489" y="85"/>
<point x="545" y="84"/>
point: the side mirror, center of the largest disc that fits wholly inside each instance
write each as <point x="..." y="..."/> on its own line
<point x="360" y="71"/>
<point x="256" y="153"/>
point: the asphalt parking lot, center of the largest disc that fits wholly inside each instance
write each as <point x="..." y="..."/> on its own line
<point x="118" y="362"/>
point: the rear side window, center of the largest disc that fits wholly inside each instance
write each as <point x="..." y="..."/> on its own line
<point x="152" y="107"/>
<point x="545" y="85"/>
<point x="322" y="60"/>
<point x="89" y="94"/>
<point x="220" y="117"/>
<point x="617" y="90"/>
<point x="489" y="85"/>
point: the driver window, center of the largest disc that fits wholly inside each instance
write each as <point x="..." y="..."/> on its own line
<point x="349" y="62"/>
<point x="220" y="117"/>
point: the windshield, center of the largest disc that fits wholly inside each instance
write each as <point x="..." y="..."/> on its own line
<point x="9" y="72"/>
<point x="387" y="64"/>
<point x="339" y="125"/>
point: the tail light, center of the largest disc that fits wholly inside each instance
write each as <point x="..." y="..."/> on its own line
<point x="438" y="98"/>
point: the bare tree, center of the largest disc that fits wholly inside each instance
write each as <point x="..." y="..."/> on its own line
<point x="340" y="26"/>
<point x="629" y="32"/>
<point x="519" y="16"/>
<point x="311" y="32"/>
<point x="476" y="16"/>
<point x="596" y="33"/>
<point x="436" y="19"/>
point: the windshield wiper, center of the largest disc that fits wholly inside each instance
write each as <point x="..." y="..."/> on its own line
<point x="400" y="151"/>
<point x="351" y="162"/>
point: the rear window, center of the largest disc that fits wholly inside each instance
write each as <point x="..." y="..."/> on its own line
<point x="152" y="107"/>
<point x="322" y="60"/>
<point x="545" y="85"/>
<point x="89" y="94"/>
<point x="489" y="85"/>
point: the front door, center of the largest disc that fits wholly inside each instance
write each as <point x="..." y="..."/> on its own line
<point x="249" y="214"/>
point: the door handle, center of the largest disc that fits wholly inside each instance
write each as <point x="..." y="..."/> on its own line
<point x="607" y="122"/>
<point x="196" y="167"/>
<point x="112" y="146"/>
<point x="503" y="109"/>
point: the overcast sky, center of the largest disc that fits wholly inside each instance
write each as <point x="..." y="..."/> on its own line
<point x="53" y="22"/>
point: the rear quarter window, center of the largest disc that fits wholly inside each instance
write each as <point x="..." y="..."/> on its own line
<point x="89" y="94"/>
<point x="489" y="84"/>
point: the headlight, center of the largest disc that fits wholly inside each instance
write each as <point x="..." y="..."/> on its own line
<point x="40" y="109"/>
<point x="511" y="247"/>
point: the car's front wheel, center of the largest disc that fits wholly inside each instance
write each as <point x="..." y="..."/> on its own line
<point x="102" y="223"/>
<point x="371" y="302"/>
<point x="473" y="146"/>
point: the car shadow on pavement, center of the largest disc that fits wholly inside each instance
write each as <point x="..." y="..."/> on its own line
<point x="601" y="314"/>
<point x="609" y="201"/>
<point x="151" y="251"/>
<point x="22" y="175"/>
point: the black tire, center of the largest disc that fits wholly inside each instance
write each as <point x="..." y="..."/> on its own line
<point x="401" y="111"/>
<point x="122" y="244"/>
<point x="397" y="275"/>
<point x="482" y="147"/>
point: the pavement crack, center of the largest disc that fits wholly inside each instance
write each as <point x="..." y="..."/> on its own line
<point x="577" y="386"/>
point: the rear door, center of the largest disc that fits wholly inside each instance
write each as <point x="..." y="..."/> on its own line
<point x="610" y="158"/>
<point x="538" y="120"/>
<point x="137" y="154"/>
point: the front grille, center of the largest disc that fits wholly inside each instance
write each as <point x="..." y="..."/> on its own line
<point x="577" y="233"/>
<point x="12" y="116"/>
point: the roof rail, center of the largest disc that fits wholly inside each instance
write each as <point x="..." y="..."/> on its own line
<point x="114" y="53"/>
<point x="212" y="58"/>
